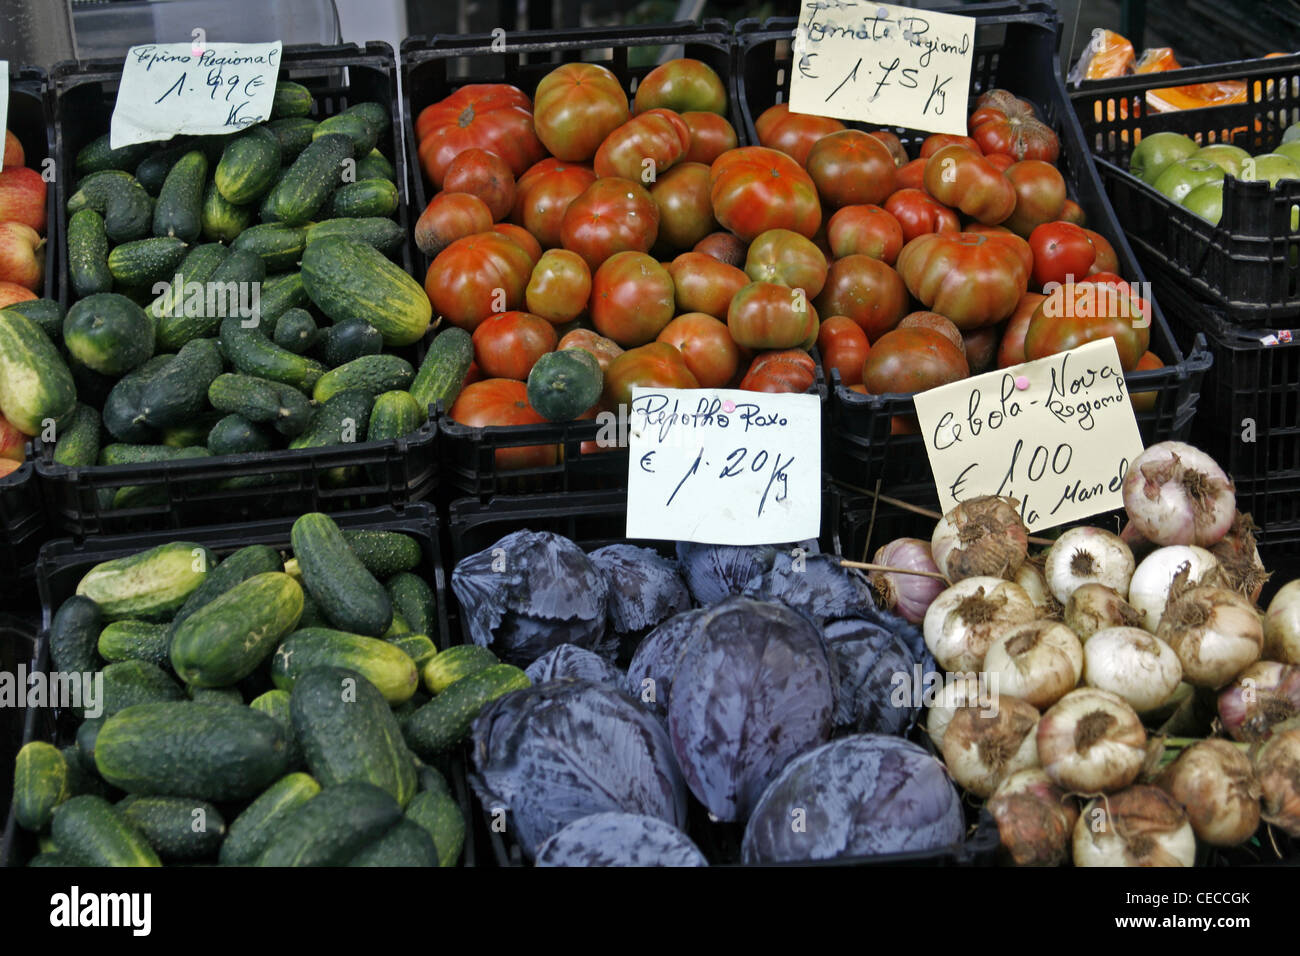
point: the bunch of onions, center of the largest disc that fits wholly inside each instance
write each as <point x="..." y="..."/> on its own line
<point x="1132" y="664"/>
<point x="1282" y="625"/>
<point x="1140" y="826"/>
<point x="1177" y="494"/>
<point x="965" y="619"/>
<point x="908" y="595"/>
<point x="1091" y="741"/>
<point x="958" y="691"/>
<point x="1216" y="786"/>
<point x="1277" y="767"/>
<point x="1263" y="695"/>
<point x="1040" y="662"/>
<point x="1035" y="819"/>
<point x="1086" y="555"/>
<point x="1031" y="578"/>
<point x="1095" y="607"/>
<point x="981" y="748"/>
<point x="1239" y="560"/>
<point x="981" y="537"/>
<point x="1216" y="634"/>
<point x="1148" y="590"/>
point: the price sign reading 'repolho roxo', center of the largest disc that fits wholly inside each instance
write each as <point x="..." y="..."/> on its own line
<point x="723" y="466"/>
<point x="893" y="66"/>
<point x="173" y="88"/>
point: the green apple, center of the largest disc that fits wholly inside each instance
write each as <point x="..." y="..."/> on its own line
<point x="1182" y="176"/>
<point x="1272" y="167"/>
<point x="1291" y="150"/>
<point x="1292" y="134"/>
<point x="1155" y="152"/>
<point x="1206" y="200"/>
<point x="1223" y="154"/>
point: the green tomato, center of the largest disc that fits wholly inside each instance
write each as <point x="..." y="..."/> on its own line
<point x="1292" y="134"/>
<point x="1225" y="155"/>
<point x="1206" y="200"/>
<point x="1184" y="175"/>
<point x="1271" y="167"/>
<point x="1155" y="152"/>
<point x="1290" y="150"/>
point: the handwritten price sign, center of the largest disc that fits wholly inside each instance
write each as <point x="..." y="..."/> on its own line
<point x="722" y="466"/>
<point x="1057" y="434"/>
<point x="882" y="64"/>
<point x="173" y="88"/>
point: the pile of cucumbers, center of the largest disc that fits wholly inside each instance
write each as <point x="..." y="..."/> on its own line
<point x="291" y="325"/>
<point x="261" y="709"/>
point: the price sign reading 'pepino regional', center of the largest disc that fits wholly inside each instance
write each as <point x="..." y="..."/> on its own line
<point x="198" y="88"/>
<point x="722" y="466"/>
<point x="877" y="63"/>
<point x="1057" y="434"/>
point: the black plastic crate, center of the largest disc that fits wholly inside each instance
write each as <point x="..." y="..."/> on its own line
<point x="63" y="562"/>
<point x="1248" y="264"/>
<point x="249" y="486"/>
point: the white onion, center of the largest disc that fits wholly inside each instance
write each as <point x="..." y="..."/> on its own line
<point x="1140" y="826"/>
<point x="1086" y="555"/>
<point x="1040" y="662"/>
<point x="1215" y="784"/>
<point x="1263" y="695"/>
<point x="1030" y="577"/>
<point x="1216" y="634"/>
<point x="1091" y="741"/>
<point x="1035" y="818"/>
<point x="1095" y="607"/>
<point x="958" y="690"/>
<point x="1148" y="590"/>
<point x="981" y="748"/>
<point x="1277" y="767"/>
<point x="1282" y="625"/>
<point x="1132" y="664"/>
<point x="982" y="536"/>
<point x="1177" y="494"/>
<point x="964" y="620"/>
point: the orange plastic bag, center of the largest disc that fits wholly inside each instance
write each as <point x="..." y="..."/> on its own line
<point x="1107" y="54"/>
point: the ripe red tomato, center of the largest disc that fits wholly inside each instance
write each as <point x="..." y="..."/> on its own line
<point x="1040" y="195"/>
<point x="764" y="315"/>
<point x="851" y="167"/>
<point x="559" y="286"/>
<point x="711" y="136"/>
<point x="971" y="278"/>
<point x="792" y="370"/>
<point x="981" y="347"/>
<point x="1062" y="252"/>
<point x="912" y="360"/>
<point x="503" y="401"/>
<point x="612" y="215"/>
<point x="1006" y="236"/>
<point x="706" y="346"/>
<point x="485" y="175"/>
<point x="491" y="116"/>
<point x="936" y="323"/>
<point x="681" y="84"/>
<point x="701" y="283"/>
<point x="865" y="230"/>
<point x="866" y="290"/>
<point x="786" y="258"/>
<point x="919" y="213"/>
<point x="1073" y="212"/>
<point x="1145" y="401"/>
<point x="578" y="105"/>
<point x="605" y="350"/>
<point x="1078" y="313"/>
<point x="656" y="364"/>
<point x="1000" y="160"/>
<point x="631" y="298"/>
<point x="893" y="144"/>
<point x="520" y="237"/>
<point x="476" y="277"/>
<point x="937" y="141"/>
<point x="792" y="133"/>
<point x="910" y="175"/>
<point x="1107" y="260"/>
<point x="685" y="212"/>
<point x="508" y="345"/>
<point x="1002" y="123"/>
<point x="1011" y="351"/>
<point x="843" y="346"/>
<point x="755" y="189"/>
<point x="644" y="147"/>
<point x="448" y="217"/>
<point x="962" y="179"/>
<point x="543" y="195"/>
<point x="723" y="246"/>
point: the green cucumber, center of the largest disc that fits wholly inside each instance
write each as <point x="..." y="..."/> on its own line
<point x="290" y="99"/>
<point x="178" y="828"/>
<point x="332" y="827"/>
<point x="351" y="280"/>
<point x="375" y="165"/>
<point x="370" y="373"/>
<point x="406" y="845"/>
<point x="389" y="668"/>
<point x="82" y="776"/>
<point x="376" y="114"/>
<point x="436" y="810"/>
<point x="179" y="211"/>
<point x="340" y="421"/>
<point x="382" y="234"/>
<point x="149" y="585"/>
<point x="151" y="172"/>
<point x="293" y="134"/>
<point x="347" y="593"/>
<point x="384" y="553"/>
<point x="356" y="128"/>
<point x="125" y="454"/>
<point x="311" y="180"/>
<point x="88" y="254"/>
<point x="229" y="696"/>
<point x="98" y="155"/>
<point x="239" y="567"/>
<point x="251" y="353"/>
<point x="275" y="703"/>
<point x="252" y="830"/>
<point x="178" y="391"/>
<point x="365" y="197"/>
<point x="445" y="721"/>
<point x="74" y="636"/>
<point x="397" y="628"/>
<point x="394" y="415"/>
<point x="225" y="640"/>
<point x="196" y="268"/>
<point x="261" y="400"/>
<point x="443" y="371"/>
<point x="145" y="262"/>
<point x="93" y="832"/>
<point x="236" y="435"/>
<point x="564" y="384"/>
<point x="296" y="331"/>
<point x="418" y="647"/>
<point x="193" y="432"/>
<point x="454" y="664"/>
<point x="87" y="734"/>
<point x="348" y="733"/>
<point x="78" y="440"/>
<point x="232" y="288"/>
<point x="207" y="751"/>
<point x="223" y="221"/>
<point x="41" y="783"/>
<point x="53" y="858"/>
<point x="311" y="613"/>
<point x="131" y="682"/>
<point x="117" y="196"/>
<point x="248" y="166"/>
<point x="36" y="385"/>
<point x="414" y="600"/>
<point x="122" y="406"/>
<point x="108" y="333"/>
<point x="280" y="294"/>
<point x="349" y="341"/>
<point x="128" y="640"/>
<point x="46" y="314"/>
<point x="278" y="245"/>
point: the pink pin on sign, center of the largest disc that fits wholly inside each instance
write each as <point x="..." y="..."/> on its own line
<point x="1022" y="382"/>
<point x="728" y="406"/>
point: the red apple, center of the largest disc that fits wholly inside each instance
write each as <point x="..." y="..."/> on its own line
<point x="8" y="466"/>
<point x="22" y="197"/>
<point x="22" y="255"/>
<point x="11" y="441"/>
<point x="11" y="292"/>
<point x="13" y="151"/>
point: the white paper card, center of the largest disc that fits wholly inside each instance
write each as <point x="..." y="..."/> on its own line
<point x="1057" y="434"/>
<point x="723" y="466"/>
<point x="892" y="66"/>
<point x="4" y="104"/>
<point x="173" y="88"/>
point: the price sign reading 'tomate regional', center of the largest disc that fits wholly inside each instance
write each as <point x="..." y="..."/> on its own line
<point x="1057" y="434"/>
<point x="877" y="63"/>
<point x="173" y="88"/>
<point x="722" y="466"/>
